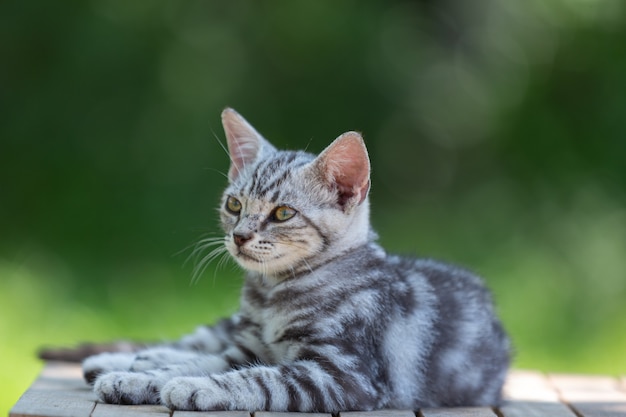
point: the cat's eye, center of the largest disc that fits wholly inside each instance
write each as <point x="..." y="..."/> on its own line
<point x="283" y="213"/>
<point x="233" y="205"/>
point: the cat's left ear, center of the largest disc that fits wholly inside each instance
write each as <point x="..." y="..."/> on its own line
<point x="245" y="144"/>
<point x="345" y="167"/>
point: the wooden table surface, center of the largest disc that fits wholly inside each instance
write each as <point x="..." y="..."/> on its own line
<point x="59" y="391"/>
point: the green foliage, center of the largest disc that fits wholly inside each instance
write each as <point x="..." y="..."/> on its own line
<point x="495" y="131"/>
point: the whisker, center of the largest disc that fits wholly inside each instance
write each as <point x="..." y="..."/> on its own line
<point x="223" y="174"/>
<point x="223" y="258"/>
<point x="201" y="260"/>
<point x="201" y="247"/>
<point x="306" y="148"/>
<point x="219" y="141"/>
<point x="206" y="243"/>
<point x="203" y="264"/>
<point x="195" y="244"/>
<point x="225" y="149"/>
<point x="244" y="149"/>
<point x="306" y="263"/>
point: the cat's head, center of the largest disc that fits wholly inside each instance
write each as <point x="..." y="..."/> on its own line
<point x="286" y="212"/>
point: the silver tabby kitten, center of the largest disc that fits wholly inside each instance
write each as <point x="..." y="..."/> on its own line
<point x="328" y="320"/>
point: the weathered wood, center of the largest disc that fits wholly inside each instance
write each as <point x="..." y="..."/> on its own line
<point x="378" y="413"/>
<point x="535" y="409"/>
<point x="59" y="391"/>
<point x="279" y="414"/>
<point x="591" y="396"/>
<point x="457" y="412"/>
<point x="529" y="386"/>
<point x="109" y="410"/>
<point x="530" y="394"/>
<point x="211" y="414"/>
<point x="53" y="403"/>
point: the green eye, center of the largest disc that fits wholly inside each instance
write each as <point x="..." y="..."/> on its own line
<point x="283" y="213"/>
<point x="233" y="205"/>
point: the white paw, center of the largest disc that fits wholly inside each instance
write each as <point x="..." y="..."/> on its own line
<point x="97" y="365"/>
<point x="128" y="388"/>
<point x="195" y="394"/>
<point x="160" y="358"/>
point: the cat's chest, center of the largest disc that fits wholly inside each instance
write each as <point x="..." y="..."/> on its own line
<point x="275" y="326"/>
<point x="285" y="323"/>
<point x="285" y="316"/>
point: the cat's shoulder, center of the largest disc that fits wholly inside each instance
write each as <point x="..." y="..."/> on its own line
<point x="373" y="260"/>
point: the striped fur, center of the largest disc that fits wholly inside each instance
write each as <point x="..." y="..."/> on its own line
<point x="328" y="321"/>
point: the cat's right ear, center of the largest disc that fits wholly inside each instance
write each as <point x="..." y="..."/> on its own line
<point x="345" y="168"/>
<point x="245" y="144"/>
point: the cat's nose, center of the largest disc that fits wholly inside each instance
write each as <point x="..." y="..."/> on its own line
<point x="241" y="238"/>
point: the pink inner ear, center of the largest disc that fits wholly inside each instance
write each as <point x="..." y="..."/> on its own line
<point x="244" y="142"/>
<point x="347" y="167"/>
<point x="241" y="154"/>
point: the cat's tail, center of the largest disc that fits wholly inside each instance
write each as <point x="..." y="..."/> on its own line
<point x="84" y="350"/>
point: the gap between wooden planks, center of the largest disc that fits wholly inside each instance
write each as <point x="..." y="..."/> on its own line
<point x="59" y="391"/>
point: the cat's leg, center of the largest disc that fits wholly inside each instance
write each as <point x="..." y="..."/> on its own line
<point x="205" y="339"/>
<point x="153" y="358"/>
<point x="304" y="386"/>
<point x="102" y="363"/>
<point x="139" y="385"/>
<point x="143" y="387"/>
<point x="145" y="360"/>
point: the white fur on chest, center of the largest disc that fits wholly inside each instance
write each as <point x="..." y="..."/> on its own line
<point x="278" y="316"/>
<point x="273" y="328"/>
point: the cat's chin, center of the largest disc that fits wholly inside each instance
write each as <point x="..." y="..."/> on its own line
<point x="267" y="268"/>
<point x="275" y="265"/>
<point x="263" y="268"/>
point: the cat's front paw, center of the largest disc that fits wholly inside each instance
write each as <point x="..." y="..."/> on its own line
<point x="194" y="394"/>
<point x="103" y="363"/>
<point x="128" y="388"/>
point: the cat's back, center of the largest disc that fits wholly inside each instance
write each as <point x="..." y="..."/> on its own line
<point x="432" y="326"/>
<point x="451" y="334"/>
<point x="401" y="284"/>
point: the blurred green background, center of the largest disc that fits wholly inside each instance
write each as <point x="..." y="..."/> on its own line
<point x="496" y="131"/>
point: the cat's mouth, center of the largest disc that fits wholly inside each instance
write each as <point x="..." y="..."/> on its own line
<point x="262" y="262"/>
<point x="251" y="257"/>
<point x="246" y="256"/>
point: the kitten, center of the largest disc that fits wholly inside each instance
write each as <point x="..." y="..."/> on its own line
<point x="328" y="321"/>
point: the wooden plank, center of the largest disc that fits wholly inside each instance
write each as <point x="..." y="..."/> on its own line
<point x="211" y="414"/>
<point x="529" y="386"/>
<point x="603" y="409"/>
<point x="111" y="410"/>
<point x="62" y="370"/>
<point x="60" y="376"/>
<point x="378" y="413"/>
<point x="281" y="414"/>
<point x="530" y="394"/>
<point x="53" y="403"/>
<point x="457" y="412"/>
<point x="591" y="396"/>
<point x="59" y="391"/>
<point x="535" y="409"/>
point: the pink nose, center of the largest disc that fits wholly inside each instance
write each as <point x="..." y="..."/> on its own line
<point x="240" y="239"/>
